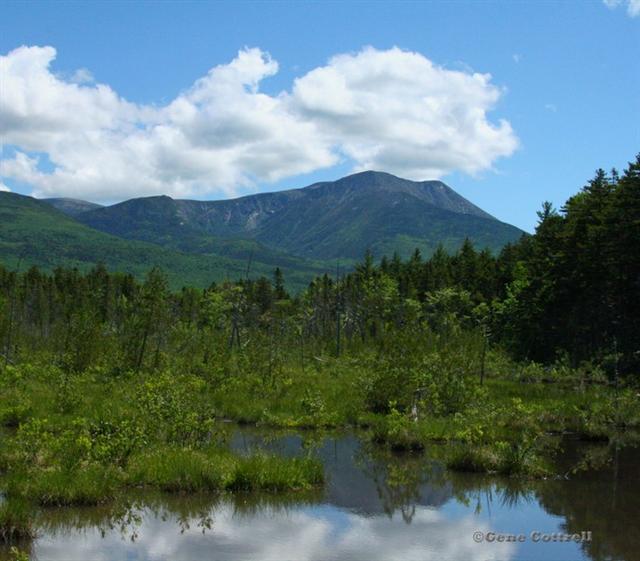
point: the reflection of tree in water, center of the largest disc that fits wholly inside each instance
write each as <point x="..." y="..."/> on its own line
<point x="401" y="481"/>
<point x="125" y="517"/>
<point x="487" y="491"/>
<point x="398" y="478"/>
<point x="604" y="500"/>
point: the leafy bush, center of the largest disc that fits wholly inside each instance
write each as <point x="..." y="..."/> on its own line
<point x="419" y="374"/>
<point x="171" y="407"/>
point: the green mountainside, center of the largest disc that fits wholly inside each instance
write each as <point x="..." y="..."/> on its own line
<point x="302" y="231"/>
<point x="32" y="232"/>
<point x="326" y="221"/>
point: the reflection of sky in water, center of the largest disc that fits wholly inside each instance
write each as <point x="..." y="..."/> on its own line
<point x="319" y="533"/>
<point x="323" y="534"/>
<point x="361" y="516"/>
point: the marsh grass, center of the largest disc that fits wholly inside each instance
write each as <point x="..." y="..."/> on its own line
<point x="184" y="470"/>
<point x="87" y="438"/>
<point x="89" y="486"/>
<point x="179" y="470"/>
<point x="261" y="472"/>
<point x="16" y="521"/>
<point x="502" y="458"/>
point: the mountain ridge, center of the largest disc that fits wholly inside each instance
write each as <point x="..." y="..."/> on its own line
<point x="71" y="207"/>
<point x="325" y="220"/>
<point x="34" y="233"/>
<point x="302" y="231"/>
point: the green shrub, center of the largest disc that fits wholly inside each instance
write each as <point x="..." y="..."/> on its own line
<point x="399" y="432"/>
<point x="13" y="415"/>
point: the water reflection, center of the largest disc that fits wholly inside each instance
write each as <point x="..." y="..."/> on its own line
<point x="376" y="506"/>
<point x="606" y="501"/>
<point x="273" y="534"/>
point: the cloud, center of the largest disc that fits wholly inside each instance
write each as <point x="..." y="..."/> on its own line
<point x="396" y="111"/>
<point x="390" y="110"/>
<point x="633" y="6"/>
<point x="3" y="187"/>
<point x="517" y="57"/>
<point x="551" y="107"/>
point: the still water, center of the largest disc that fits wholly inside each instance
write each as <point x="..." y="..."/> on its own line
<point x="375" y="506"/>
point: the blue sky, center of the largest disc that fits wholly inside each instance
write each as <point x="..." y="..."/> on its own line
<point x="565" y="80"/>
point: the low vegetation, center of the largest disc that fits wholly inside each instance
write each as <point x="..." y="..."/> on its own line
<point x="107" y="384"/>
<point x="16" y="522"/>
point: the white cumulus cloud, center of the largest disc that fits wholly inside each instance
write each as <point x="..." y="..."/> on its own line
<point x="390" y="110"/>
<point x="397" y="111"/>
<point x="3" y="187"/>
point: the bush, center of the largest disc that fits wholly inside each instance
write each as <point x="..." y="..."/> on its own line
<point x="429" y="374"/>
<point x="399" y="432"/>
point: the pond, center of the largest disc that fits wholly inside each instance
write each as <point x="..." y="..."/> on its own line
<point x="375" y="506"/>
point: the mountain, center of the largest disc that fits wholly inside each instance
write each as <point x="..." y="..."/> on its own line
<point x="33" y="232"/>
<point x="72" y="207"/>
<point x="324" y="221"/>
<point x="302" y="231"/>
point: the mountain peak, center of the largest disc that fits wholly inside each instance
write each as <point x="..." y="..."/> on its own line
<point x="327" y="220"/>
<point x="379" y="183"/>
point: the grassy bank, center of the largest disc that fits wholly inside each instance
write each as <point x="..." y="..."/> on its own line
<point x="86" y="437"/>
<point x="166" y="469"/>
<point x="89" y="437"/>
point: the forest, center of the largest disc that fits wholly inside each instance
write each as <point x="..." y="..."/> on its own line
<point x="108" y="383"/>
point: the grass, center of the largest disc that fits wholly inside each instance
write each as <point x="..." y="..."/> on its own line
<point x="174" y="469"/>
<point x="275" y="474"/>
<point x="16" y="521"/>
<point x="168" y="469"/>
<point x="502" y="458"/>
<point x="59" y="487"/>
<point x="183" y="470"/>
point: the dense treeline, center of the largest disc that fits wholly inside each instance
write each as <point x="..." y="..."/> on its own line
<point x="572" y="290"/>
<point x="576" y="287"/>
